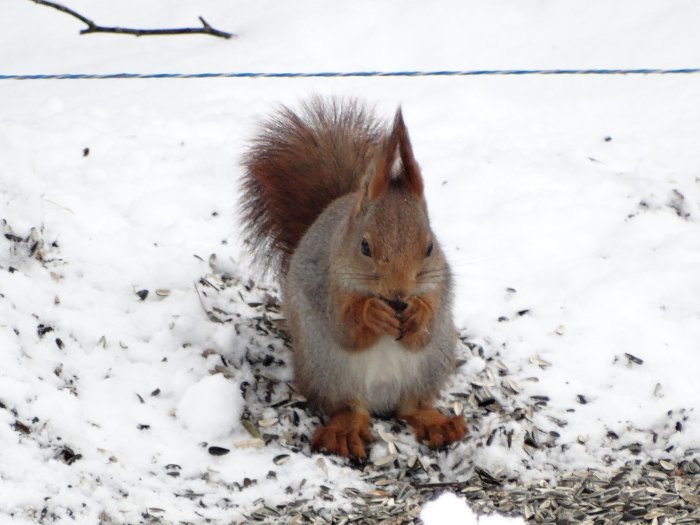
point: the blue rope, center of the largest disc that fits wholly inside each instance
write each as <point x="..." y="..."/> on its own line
<point x="325" y="74"/>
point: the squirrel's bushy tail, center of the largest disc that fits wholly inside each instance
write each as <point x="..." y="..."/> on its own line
<point x="298" y="164"/>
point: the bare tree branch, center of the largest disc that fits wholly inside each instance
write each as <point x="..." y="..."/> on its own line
<point x="92" y="27"/>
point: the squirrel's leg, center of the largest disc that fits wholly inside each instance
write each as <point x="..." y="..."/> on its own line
<point x="346" y="433"/>
<point x="430" y="425"/>
<point x="364" y="320"/>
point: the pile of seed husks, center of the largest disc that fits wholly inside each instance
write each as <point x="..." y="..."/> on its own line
<point x="403" y="475"/>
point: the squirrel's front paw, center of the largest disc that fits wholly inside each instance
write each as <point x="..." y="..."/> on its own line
<point x="365" y="320"/>
<point x="346" y="434"/>
<point x="381" y="318"/>
<point x="415" y="322"/>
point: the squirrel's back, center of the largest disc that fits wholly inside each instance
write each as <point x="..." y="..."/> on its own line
<point x="297" y="165"/>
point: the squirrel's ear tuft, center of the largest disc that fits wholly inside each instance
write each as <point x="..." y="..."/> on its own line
<point x="396" y="163"/>
<point x="410" y="172"/>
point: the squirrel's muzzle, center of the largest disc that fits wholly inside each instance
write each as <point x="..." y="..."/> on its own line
<point x="397" y="304"/>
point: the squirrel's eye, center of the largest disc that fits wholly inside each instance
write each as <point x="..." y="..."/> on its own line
<point x="429" y="251"/>
<point x="364" y="247"/>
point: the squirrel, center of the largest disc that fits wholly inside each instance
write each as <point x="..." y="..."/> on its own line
<point x="333" y="203"/>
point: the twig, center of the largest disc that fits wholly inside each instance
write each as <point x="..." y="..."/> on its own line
<point x="92" y="27"/>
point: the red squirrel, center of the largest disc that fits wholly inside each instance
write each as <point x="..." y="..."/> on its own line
<point x="333" y="203"/>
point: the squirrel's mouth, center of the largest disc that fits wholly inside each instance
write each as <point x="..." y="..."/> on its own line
<point x="397" y="304"/>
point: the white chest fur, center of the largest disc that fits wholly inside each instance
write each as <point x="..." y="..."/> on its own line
<point x="384" y="372"/>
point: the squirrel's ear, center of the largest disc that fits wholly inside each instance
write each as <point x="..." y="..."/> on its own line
<point x="378" y="183"/>
<point x="410" y="171"/>
<point x="396" y="163"/>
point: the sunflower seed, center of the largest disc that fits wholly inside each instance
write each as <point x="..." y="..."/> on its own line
<point x="281" y="459"/>
<point x="634" y="359"/>
<point x="540" y="362"/>
<point x="385" y="460"/>
<point x="659" y="390"/>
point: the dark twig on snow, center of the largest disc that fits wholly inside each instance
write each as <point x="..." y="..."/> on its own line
<point x="92" y="27"/>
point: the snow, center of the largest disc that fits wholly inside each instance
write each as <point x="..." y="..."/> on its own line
<point x="568" y="206"/>
<point x="449" y="509"/>
<point x="212" y="407"/>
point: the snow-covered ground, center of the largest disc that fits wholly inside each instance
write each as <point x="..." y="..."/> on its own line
<point x="569" y="208"/>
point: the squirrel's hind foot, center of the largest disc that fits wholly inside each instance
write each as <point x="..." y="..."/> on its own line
<point x="346" y="435"/>
<point x="435" y="428"/>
